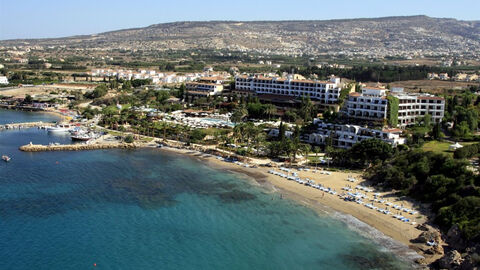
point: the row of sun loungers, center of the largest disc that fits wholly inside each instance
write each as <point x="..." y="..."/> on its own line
<point x="305" y="181"/>
<point x="358" y="198"/>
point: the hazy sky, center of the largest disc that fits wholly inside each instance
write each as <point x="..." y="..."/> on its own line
<point x="56" y="18"/>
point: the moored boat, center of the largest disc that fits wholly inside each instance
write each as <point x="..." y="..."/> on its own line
<point x="61" y="128"/>
<point x="81" y="137"/>
<point x="6" y="158"/>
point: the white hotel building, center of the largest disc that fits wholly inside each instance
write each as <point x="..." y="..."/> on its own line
<point x="372" y="104"/>
<point x="345" y="136"/>
<point x="326" y="92"/>
<point x="205" y="87"/>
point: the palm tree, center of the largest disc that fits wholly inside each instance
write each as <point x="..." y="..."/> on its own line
<point x="270" y="110"/>
<point x="296" y="147"/>
<point x="240" y="113"/>
<point x="259" y="138"/>
<point x="306" y="109"/>
<point x="305" y="148"/>
<point x="316" y="150"/>
<point x="177" y="130"/>
<point x="252" y="133"/>
<point x="239" y="132"/>
<point x="289" y="148"/>
<point x="217" y="101"/>
<point x="163" y="127"/>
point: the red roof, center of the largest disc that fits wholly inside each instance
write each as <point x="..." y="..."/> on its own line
<point x="431" y="98"/>
<point x="374" y="88"/>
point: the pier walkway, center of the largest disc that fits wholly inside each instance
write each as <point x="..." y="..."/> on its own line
<point x="74" y="147"/>
<point x="25" y="125"/>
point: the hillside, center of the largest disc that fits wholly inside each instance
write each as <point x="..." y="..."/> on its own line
<point x="413" y="35"/>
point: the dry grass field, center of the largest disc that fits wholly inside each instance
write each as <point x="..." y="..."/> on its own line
<point x="432" y="86"/>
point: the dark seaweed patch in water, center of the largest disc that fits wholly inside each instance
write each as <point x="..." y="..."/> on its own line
<point x="144" y="192"/>
<point x="235" y="196"/>
<point x="41" y="206"/>
<point x="143" y="184"/>
<point x="148" y="194"/>
<point x="297" y="231"/>
<point x="365" y="257"/>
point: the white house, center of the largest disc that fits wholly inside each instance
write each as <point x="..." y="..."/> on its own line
<point x="3" y="80"/>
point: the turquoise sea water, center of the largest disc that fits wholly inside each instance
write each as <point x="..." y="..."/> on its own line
<point x="147" y="209"/>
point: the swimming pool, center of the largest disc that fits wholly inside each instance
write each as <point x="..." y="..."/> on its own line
<point x="219" y="121"/>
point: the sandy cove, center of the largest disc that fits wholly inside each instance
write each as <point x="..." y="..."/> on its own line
<point x="323" y="202"/>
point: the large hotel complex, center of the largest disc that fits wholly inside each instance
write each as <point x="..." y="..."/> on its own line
<point x="326" y="92"/>
<point x="373" y="104"/>
<point x="391" y="108"/>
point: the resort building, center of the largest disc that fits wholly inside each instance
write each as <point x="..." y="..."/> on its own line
<point x="325" y="92"/>
<point x="205" y="87"/>
<point x="373" y="105"/>
<point x="345" y="136"/>
<point x="412" y="107"/>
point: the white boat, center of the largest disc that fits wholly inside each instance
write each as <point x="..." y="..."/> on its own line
<point x="61" y="128"/>
<point x="81" y="137"/>
<point x="6" y="158"/>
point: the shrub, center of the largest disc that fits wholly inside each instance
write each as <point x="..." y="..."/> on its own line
<point x="129" y="139"/>
<point x="467" y="151"/>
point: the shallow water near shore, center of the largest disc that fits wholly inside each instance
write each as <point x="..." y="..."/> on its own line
<point x="147" y="209"/>
<point x="10" y="116"/>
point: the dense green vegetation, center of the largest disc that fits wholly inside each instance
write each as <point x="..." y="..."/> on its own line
<point x="373" y="73"/>
<point x="98" y="92"/>
<point x="446" y="183"/>
<point x="287" y="146"/>
<point x="467" y="151"/>
<point x="463" y="110"/>
<point x="361" y="154"/>
<point x="392" y="111"/>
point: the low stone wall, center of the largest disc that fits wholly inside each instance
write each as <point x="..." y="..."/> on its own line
<point x="74" y="147"/>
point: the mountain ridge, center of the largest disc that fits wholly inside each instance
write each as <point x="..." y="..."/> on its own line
<point x="393" y="35"/>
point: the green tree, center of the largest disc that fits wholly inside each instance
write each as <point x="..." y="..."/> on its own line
<point x="281" y="132"/>
<point x="316" y="150"/>
<point x="28" y="99"/>
<point x="270" y="110"/>
<point x="181" y="91"/>
<point x="238" y="115"/>
<point x="98" y="92"/>
<point x="127" y="85"/>
<point x="113" y="84"/>
<point x="436" y="132"/>
<point x="129" y="139"/>
<point x="306" y="109"/>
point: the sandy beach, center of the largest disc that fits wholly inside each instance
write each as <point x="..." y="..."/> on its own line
<point x="328" y="204"/>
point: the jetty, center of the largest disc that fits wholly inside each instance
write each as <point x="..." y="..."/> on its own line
<point x="25" y="125"/>
<point x="74" y="147"/>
